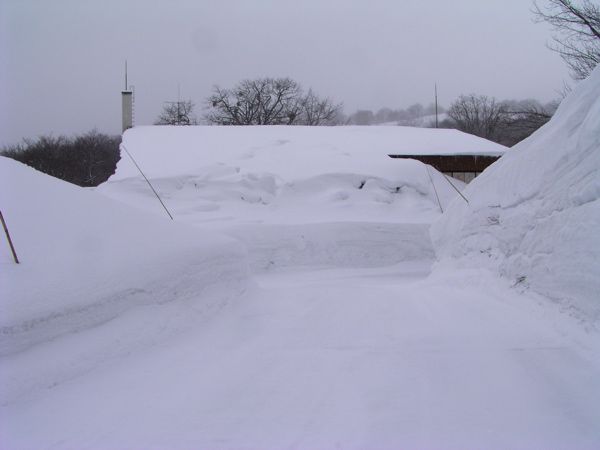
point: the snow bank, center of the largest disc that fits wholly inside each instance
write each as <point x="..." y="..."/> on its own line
<point x="534" y="215"/>
<point x="86" y="259"/>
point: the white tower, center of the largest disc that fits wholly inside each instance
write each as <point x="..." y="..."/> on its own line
<point x="127" y="104"/>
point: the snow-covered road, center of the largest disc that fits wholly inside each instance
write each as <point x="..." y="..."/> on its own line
<point x="334" y="358"/>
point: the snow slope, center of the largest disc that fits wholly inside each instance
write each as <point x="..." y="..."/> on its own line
<point x="86" y="259"/>
<point x="534" y="215"/>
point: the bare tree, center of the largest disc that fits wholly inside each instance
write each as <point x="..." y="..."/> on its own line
<point x="318" y="111"/>
<point x="523" y="118"/>
<point x="177" y="113"/>
<point x="577" y="32"/>
<point x="265" y="101"/>
<point x="270" y="101"/>
<point x="478" y="114"/>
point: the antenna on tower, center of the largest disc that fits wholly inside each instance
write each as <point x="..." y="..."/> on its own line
<point x="125" y="74"/>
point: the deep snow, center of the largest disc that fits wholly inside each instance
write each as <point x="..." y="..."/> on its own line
<point x="224" y="176"/>
<point x="534" y="215"/>
<point x="86" y="259"/>
<point x="352" y="358"/>
<point x="123" y="329"/>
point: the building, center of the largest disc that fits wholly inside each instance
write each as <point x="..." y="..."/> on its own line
<point x="462" y="167"/>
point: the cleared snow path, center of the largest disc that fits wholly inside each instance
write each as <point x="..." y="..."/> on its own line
<point x="337" y="358"/>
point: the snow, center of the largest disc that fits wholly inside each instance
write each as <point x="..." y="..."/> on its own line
<point x="221" y="177"/>
<point x="288" y="151"/>
<point x="86" y="259"/>
<point x="534" y="215"/>
<point x="359" y="358"/>
<point x="290" y="304"/>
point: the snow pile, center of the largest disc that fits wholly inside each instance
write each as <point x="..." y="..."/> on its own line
<point x="535" y="214"/>
<point x="86" y="259"/>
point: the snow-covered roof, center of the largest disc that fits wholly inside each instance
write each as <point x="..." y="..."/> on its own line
<point x="217" y="175"/>
<point x="288" y="150"/>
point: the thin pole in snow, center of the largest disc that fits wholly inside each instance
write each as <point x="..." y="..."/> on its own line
<point x="12" y="248"/>
<point x="434" y="189"/>
<point x="455" y="188"/>
<point x="147" y="180"/>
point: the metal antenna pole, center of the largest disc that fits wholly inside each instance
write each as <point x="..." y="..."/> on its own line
<point x="12" y="248"/>
<point x="436" y="107"/>
<point x="147" y="181"/>
<point x="125" y="74"/>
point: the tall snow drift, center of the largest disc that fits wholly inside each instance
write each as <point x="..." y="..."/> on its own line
<point x="86" y="259"/>
<point x="534" y="215"/>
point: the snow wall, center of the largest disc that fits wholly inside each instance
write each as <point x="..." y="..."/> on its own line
<point x="534" y="215"/>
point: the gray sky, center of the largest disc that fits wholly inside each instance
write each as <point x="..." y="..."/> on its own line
<point x="61" y="61"/>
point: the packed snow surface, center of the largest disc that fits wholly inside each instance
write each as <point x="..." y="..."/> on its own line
<point x="339" y="358"/>
<point x="534" y="215"/>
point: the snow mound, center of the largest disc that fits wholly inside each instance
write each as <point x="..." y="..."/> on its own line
<point x="86" y="259"/>
<point x="219" y="176"/>
<point x="534" y="215"/>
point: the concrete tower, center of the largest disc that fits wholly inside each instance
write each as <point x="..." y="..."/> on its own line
<point x="127" y="104"/>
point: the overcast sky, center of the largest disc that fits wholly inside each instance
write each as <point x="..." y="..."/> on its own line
<point x="61" y="61"/>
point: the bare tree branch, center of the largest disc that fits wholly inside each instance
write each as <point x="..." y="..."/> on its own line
<point x="577" y="32"/>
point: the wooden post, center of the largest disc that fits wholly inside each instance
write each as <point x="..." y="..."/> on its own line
<point x="12" y="248"/>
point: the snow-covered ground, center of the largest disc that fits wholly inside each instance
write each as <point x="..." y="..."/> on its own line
<point x="353" y="358"/>
<point x="295" y="301"/>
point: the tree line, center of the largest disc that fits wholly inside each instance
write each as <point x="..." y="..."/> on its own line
<point x="85" y="160"/>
